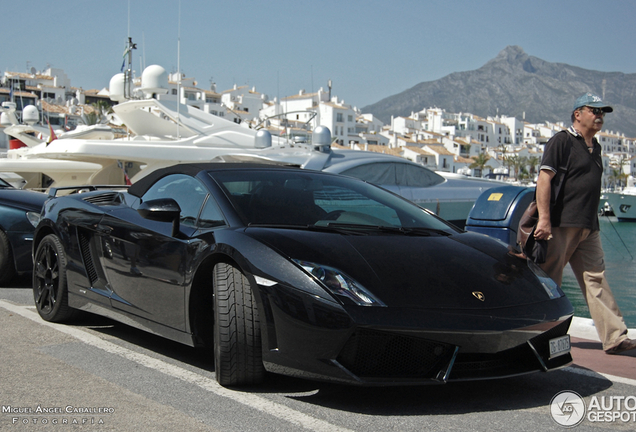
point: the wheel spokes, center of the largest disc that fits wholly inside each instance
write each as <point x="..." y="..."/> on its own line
<point x="47" y="275"/>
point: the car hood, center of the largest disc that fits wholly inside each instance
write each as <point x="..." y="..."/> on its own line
<point x="460" y="271"/>
<point x="22" y="198"/>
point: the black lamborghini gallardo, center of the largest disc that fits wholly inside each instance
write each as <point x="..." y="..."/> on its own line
<point x="300" y="273"/>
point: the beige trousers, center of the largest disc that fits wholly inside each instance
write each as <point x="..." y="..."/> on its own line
<point x="583" y="250"/>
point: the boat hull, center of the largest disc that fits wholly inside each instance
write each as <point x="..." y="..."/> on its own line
<point x="624" y="205"/>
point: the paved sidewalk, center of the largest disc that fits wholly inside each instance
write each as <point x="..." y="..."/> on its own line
<point x="588" y="353"/>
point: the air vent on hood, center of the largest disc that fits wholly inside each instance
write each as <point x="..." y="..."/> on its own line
<point x="104" y="198"/>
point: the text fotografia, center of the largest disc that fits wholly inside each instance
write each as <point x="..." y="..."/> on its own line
<point x="54" y="415"/>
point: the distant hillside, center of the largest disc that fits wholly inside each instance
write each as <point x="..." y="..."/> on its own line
<point x="514" y="83"/>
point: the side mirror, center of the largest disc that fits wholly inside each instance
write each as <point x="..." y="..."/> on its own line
<point x="161" y="210"/>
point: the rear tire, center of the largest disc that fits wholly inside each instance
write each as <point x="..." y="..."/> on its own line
<point x="50" y="290"/>
<point x="238" y="359"/>
<point x="7" y="267"/>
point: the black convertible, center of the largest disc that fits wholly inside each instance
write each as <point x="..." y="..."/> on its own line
<point x="19" y="215"/>
<point x="300" y="273"/>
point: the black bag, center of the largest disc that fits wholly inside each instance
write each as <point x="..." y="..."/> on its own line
<point x="535" y="250"/>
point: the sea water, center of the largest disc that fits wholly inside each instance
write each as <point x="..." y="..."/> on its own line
<point x="619" y="245"/>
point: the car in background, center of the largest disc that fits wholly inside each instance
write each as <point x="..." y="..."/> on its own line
<point x="298" y="272"/>
<point x="450" y="196"/>
<point x="19" y="214"/>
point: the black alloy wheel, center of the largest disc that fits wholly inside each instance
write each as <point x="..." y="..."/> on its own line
<point x="49" y="281"/>
<point x="238" y="359"/>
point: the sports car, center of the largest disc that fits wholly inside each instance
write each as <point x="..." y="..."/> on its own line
<point x="298" y="272"/>
<point x="19" y="215"/>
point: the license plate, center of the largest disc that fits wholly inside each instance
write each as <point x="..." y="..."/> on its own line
<point x="559" y="346"/>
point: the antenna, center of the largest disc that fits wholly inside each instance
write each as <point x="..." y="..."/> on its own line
<point x="179" y="70"/>
<point x="128" y="73"/>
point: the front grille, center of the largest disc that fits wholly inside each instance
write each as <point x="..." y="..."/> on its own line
<point x="374" y="354"/>
<point x="514" y="361"/>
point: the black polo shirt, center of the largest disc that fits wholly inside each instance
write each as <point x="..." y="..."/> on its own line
<point x="577" y="205"/>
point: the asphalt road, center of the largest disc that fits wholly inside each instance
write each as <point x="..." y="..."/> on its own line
<point x="101" y="375"/>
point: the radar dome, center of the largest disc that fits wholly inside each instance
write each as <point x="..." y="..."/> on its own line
<point x="321" y="138"/>
<point x="5" y="120"/>
<point x="30" y="115"/>
<point x="116" y="87"/>
<point x="154" y="79"/>
<point x="263" y="139"/>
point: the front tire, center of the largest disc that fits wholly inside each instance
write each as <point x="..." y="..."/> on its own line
<point x="7" y="268"/>
<point x="238" y="359"/>
<point x="50" y="290"/>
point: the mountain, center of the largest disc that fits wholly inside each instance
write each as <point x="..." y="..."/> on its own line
<point x="513" y="83"/>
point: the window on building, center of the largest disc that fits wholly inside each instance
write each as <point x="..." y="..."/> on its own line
<point x="339" y="117"/>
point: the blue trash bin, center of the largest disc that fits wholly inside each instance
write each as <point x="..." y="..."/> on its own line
<point x="497" y="211"/>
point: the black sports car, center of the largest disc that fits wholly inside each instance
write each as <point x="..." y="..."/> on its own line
<point x="300" y="273"/>
<point x="19" y="215"/>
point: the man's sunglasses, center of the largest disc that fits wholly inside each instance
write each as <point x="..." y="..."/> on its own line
<point x="596" y="111"/>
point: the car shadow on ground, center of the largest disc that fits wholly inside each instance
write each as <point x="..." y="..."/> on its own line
<point x="514" y="393"/>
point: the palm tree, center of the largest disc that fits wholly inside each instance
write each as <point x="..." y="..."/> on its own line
<point x="516" y="162"/>
<point x="479" y="162"/>
<point x="98" y="114"/>
<point x="616" y="177"/>
<point x="533" y="161"/>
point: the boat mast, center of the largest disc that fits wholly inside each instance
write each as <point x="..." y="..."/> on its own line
<point x="179" y="70"/>
<point x="128" y="72"/>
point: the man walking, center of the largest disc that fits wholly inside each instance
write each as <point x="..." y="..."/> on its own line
<point x="571" y="223"/>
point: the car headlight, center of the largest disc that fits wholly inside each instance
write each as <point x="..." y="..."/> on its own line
<point x="33" y="217"/>
<point x="548" y="284"/>
<point x="340" y="284"/>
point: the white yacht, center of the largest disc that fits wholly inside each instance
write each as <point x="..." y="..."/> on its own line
<point x="624" y="202"/>
<point x="164" y="133"/>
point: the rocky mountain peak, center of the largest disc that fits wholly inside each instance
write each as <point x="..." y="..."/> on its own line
<point x="517" y="84"/>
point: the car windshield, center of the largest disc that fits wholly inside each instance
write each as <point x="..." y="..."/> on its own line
<point x="308" y="199"/>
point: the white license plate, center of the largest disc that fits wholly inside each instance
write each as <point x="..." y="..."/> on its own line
<point x="559" y="346"/>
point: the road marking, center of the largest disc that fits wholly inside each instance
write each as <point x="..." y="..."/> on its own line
<point x="253" y="401"/>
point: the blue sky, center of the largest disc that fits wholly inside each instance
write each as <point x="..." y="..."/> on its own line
<point x="369" y="49"/>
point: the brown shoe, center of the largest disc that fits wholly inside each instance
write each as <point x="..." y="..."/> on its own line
<point x="626" y="345"/>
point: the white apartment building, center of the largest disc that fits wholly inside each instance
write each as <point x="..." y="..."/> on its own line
<point x="52" y="84"/>
<point x="245" y="102"/>
<point x="515" y="128"/>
